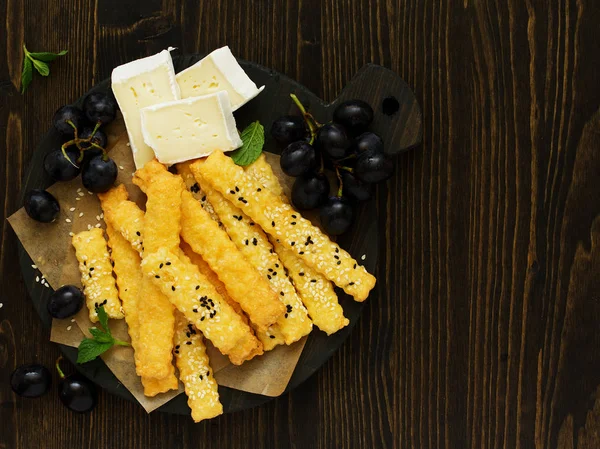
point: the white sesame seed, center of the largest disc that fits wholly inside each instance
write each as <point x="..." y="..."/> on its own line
<point x="72" y="320"/>
<point x="90" y="193"/>
<point x="79" y="190"/>
<point x="98" y="217"/>
<point x="89" y="227"/>
<point x="71" y="234"/>
<point x="77" y="199"/>
<point x="98" y="225"/>
<point x="72" y="209"/>
<point x="69" y="328"/>
<point x="80" y="193"/>
<point x="37" y="279"/>
<point x="121" y="167"/>
<point x="1" y="305"/>
<point x="102" y="215"/>
<point x="47" y="285"/>
<point x="34" y="267"/>
<point x="68" y="220"/>
<point x="128" y="144"/>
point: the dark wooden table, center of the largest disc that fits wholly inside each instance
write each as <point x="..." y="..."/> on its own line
<point x="484" y="329"/>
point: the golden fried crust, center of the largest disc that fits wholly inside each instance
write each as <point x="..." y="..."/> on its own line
<point x="96" y="274"/>
<point x="126" y="266"/>
<point x="261" y="170"/>
<point x="282" y="222"/>
<point x="190" y="183"/>
<point x="194" y="371"/>
<point x="245" y="285"/>
<point x="163" y="208"/>
<point x="256" y="248"/>
<point x="124" y="216"/>
<point x="199" y="301"/>
<point x="204" y="268"/>
<point x="316" y="292"/>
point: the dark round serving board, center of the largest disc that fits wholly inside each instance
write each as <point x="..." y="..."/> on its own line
<point x="397" y="121"/>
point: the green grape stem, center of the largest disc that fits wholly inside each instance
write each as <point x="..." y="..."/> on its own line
<point x="341" y="183"/>
<point x="60" y="373"/>
<point x="311" y="122"/>
<point x="77" y="142"/>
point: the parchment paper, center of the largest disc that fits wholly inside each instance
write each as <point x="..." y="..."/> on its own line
<point x="49" y="246"/>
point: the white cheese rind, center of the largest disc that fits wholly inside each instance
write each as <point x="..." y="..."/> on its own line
<point x="142" y="83"/>
<point x="187" y="129"/>
<point x="218" y="71"/>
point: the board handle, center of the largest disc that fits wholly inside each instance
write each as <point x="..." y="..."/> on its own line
<point x="397" y="117"/>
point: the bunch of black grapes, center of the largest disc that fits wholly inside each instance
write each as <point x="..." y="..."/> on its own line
<point x="345" y="145"/>
<point x="84" y="151"/>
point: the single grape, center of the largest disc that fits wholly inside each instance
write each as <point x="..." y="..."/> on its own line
<point x="100" y="107"/>
<point x="67" y="114"/>
<point x="336" y="215"/>
<point x="354" y="188"/>
<point x="333" y="141"/>
<point x="367" y="142"/>
<point x="374" y="167"/>
<point x="41" y="206"/>
<point x="298" y="158"/>
<point x="98" y="175"/>
<point x="65" y="302"/>
<point x="289" y="128"/>
<point x="310" y="191"/>
<point x="31" y="381"/>
<point x="355" y="115"/>
<point x="99" y="137"/>
<point x="59" y="168"/>
<point x="76" y="392"/>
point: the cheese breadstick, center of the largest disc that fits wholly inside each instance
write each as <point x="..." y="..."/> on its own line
<point x="284" y="223"/>
<point x="96" y="274"/>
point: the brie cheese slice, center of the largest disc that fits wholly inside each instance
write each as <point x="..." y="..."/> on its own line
<point x="218" y="71"/>
<point x="139" y="84"/>
<point x="187" y="129"/>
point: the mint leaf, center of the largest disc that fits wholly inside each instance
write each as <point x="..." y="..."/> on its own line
<point x="253" y="140"/>
<point x="27" y="74"/>
<point x="89" y="349"/>
<point x="41" y="67"/>
<point x="101" y="336"/>
<point x="103" y="318"/>
<point x="47" y="56"/>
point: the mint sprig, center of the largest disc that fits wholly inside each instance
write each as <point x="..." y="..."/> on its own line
<point x="39" y="61"/>
<point x="101" y="341"/>
<point x="253" y="140"/>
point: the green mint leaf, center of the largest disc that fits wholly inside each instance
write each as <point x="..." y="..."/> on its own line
<point x="90" y="349"/>
<point x="40" y="66"/>
<point x="253" y="140"/>
<point x="101" y="336"/>
<point x="103" y="318"/>
<point x="27" y="74"/>
<point x="47" y="56"/>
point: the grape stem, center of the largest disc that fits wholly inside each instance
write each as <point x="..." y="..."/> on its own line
<point x="311" y="122"/>
<point x="339" y="177"/>
<point x="77" y="141"/>
<point x="60" y="373"/>
<point x="349" y="169"/>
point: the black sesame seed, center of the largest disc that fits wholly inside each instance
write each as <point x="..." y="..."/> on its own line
<point x="201" y="378"/>
<point x="294" y="216"/>
<point x="274" y="273"/>
<point x="286" y="315"/>
<point x="240" y="198"/>
<point x="292" y="243"/>
<point x="336" y="257"/>
<point x="259" y="189"/>
<point x="251" y="224"/>
<point x="313" y="280"/>
<point x="239" y="218"/>
<point x="91" y="268"/>
<point x="355" y="266"/>
<point x="301" y="252"/>
<point x="188" y="342"/>
<point x="168" y="263"/>
<point x="232" y="192"/>
<point x="273" y="223"/>
<point x="337" y="250"/>
<point x="197" y="287"/>
<point x="204" y="198"/>
<point x="271" y="251"/>
<point x="176" y="351"/>
<point x="160" y="266"/>
<point x="293" y="223"/>
<point x="237" y="189"/>
<point x="177" y="347"/>
<point x="202" y="319"/>
<point x="270" y="270"/>
<point x="195" y="188"/>
<point x="276" y="265"/>
<point x="271" y="336"/>
<point x="84" y="263"/>
<point x="254" y="241"/>
<point x="300" y="274"/>
<point x="339" y="262"/>
<point x="246" y="242"/>
<point x="244" y="201"/>
<point x="282" y="294"/>
<point x="207" y="373"/>
<point x="173" y="287"/>
<point x="157" y="276"/>
<point x="195" y="310"/>
<point x="351" y="283"/>
<point x="269" y="276"/>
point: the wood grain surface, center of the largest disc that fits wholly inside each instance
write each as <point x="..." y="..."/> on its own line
<point x="483" y="332"/>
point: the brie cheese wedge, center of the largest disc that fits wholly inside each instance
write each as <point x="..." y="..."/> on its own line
<point x="187" y="129"/>
<point x="218" y="71"/>
<point x="138" y="84"/>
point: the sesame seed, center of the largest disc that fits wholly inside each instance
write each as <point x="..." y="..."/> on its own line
<point x="237" y="189"/>
<point x="273" y="223"/>
<point x="121" y="167"/>
<point x="173" y="287"/>
<point x="72" y="234"/>
<point x="98" y="225"/>
<point x="80" y="214"/>
<point x="68" y="220"/>
<point x="363" y="257"/>
<point x="168" y="263"/>
<point x="157" y="276"/>
<point x="80" y="193"/>
<point x="69" y="328"/>
<point x="271" y="336"/>
<point x="300" y="274"/>
<point x="282" y="294"/>
<point x="72" y="209"/>
<point x="79" y="190"/>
